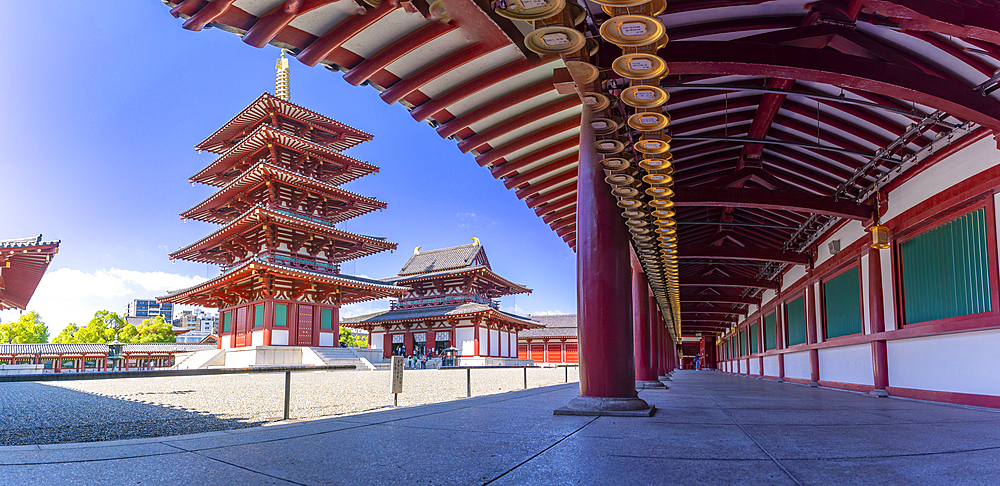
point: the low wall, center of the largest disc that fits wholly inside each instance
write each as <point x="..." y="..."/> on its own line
<point x="21" y="369"/>
<point x="482" y="361"/>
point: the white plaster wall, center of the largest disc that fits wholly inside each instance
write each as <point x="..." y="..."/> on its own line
<point x="960" y="363"/>
<point x="797" y="365"/>
<point x="494" y="342"/>
<point x="754" y="366"/>
<point x="257" y="338"/>
<point x="767" y="296"/>
<point x="224" y="342"/>
<point x="326" y="339"/>
<point x="966" y="163"/>
<point x="484" y="344"/>
<point x="847" y="235"/>
<point x="794" y="274"/>
<point x="743" y="366"/>
<point x="279" y="337"/>
<point x="465" y="338"/>
<point x="771" y="365"/>
<point x="377" y="340"/>
<point x="847" y="364"/>
<point x="504" y="344"/>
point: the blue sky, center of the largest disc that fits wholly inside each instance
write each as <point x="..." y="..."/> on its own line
<point x="102" y="103"/>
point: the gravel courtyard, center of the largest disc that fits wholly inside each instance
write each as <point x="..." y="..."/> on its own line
<point x="128" y="408"/>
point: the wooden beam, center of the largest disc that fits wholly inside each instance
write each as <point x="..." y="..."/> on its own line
<point x="316" y="51"/>
<point x="494" y="106"/>
<point x="742" y="253"/>
<point x="694" y="281"/>
<point x="441" y="102"/>
<point x="434" y="70"/>
<point x="719" y="299"/>
<point x="701" y="196"/>
<point x="396" y="50"/>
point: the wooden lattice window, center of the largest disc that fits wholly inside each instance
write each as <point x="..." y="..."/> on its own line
<point x="946" y="270"/>
<point x="795" y="321"/>
<point x="842" y="304"/>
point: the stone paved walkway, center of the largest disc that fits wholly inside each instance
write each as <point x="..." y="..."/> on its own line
<point x="709" y="429"/>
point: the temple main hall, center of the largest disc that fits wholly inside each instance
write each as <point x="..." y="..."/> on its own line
<point x="452" y="303"/>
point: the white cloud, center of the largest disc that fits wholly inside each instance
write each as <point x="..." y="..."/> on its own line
<point x="72" y="296"/>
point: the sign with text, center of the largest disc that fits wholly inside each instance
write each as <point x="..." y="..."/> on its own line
<point x="397" y="375"/>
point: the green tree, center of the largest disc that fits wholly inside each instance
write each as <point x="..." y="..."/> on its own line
<point x="104" y="327"/>
<point x="68" y="334"/>
<point x="156" y="330"/>
<point x="29" y="328"/>
<point x="128" y="334"/>
<point x="349" y="339"/>
<point x="93" y="332"/>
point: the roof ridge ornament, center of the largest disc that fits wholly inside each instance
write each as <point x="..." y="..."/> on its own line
<point x="282" y="88"/>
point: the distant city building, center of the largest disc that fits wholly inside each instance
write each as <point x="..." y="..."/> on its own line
<point x="147" y="308"/>
<point x="197" y="321"/>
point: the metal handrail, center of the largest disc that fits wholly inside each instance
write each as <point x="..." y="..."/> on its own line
<point x="468" y="373"/>
<point x="215" y="371"/>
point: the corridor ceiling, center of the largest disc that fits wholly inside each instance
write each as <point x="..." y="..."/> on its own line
<point x="787" y="116"/>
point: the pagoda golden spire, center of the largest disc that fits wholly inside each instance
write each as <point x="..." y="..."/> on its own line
<point x="281" y="86"/>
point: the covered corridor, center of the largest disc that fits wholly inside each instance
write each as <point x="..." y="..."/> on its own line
<point x="709" y="428"/>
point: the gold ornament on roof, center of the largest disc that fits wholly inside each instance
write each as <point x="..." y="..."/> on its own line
<point x="281" y="84"/>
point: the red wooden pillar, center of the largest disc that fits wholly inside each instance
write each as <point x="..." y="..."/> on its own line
<point x="651" y="337"/>
<point x="486" y="330"/>
<point x="657" y="338"/>
<point x="475" y="340"/>
<point x="811" y="332"/>
<point x="779" y="322"/>
<point x="876" y="307"/>
<point x="268" y="320"/>
<point x="664" y="342"/>
<point x="645" y="375"/>
<point x="671" y="355"/>
<point x="607" y="369"/>
<point x="408" y="343"/>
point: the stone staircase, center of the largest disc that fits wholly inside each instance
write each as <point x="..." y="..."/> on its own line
<point x="342" y="356"/>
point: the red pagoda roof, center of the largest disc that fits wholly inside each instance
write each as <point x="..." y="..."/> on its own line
<point x="337" y="169"/>
<point x="364" y="245"/>
<point x="244" y="281"/>
<point x="23" y="261"/>
<point x="259" y="175"/>
<point x="346" y="136"/>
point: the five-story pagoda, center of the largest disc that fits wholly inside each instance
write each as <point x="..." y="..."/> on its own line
<point x="278" y="169"/>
